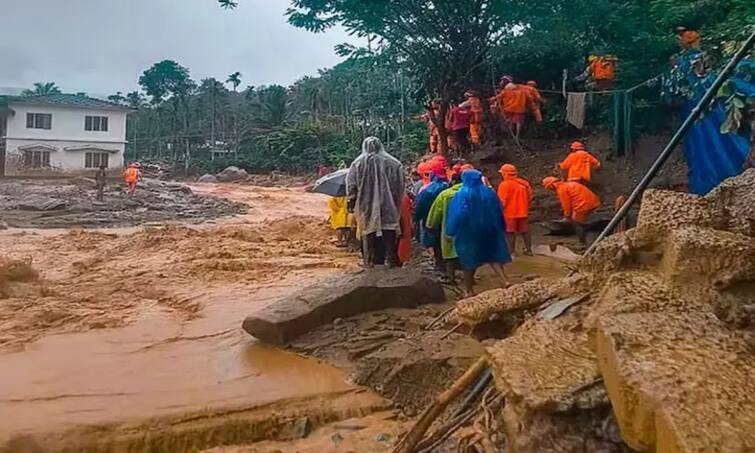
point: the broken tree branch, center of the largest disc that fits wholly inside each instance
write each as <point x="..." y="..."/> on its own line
<point x="410" y="441"/>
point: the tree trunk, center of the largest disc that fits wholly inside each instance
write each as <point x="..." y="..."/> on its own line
<point x="440" y="124"/>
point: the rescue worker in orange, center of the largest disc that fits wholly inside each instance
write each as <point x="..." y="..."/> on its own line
<point x="474" y="104"/>
<point x="536" y="100"/>
<point x="579" y="164"/>
<point x="131" y="176"/>
<point x="577" y="203"/>
<point x="600" y="71"/>
<point x="432" y="129"/>
<point x="404" y="246"/>
<point x="513" y="103"/>
<point x="515" y="194"/>
<point x="425" y="171"/>
<point x="688" y="39"/>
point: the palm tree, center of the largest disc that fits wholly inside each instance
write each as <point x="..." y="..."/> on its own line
<point x="41" y="89"/>
<point x="235" y="80"/>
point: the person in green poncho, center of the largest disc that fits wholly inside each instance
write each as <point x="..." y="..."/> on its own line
<point x="436" y="219"/>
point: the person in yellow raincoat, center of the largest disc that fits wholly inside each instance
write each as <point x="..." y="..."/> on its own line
<point x="340" y="220"/>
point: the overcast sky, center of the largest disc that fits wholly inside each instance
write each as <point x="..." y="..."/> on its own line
<point x="102" y="46"/>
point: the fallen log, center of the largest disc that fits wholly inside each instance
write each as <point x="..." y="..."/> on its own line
<point x="415" y="435"/>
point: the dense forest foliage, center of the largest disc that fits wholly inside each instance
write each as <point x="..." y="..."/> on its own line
<point x="316" y="120"/>
<point x="419" y="50"/>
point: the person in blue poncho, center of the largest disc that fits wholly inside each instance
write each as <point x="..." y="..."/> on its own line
<point x="475" y="221"/>
<point x="430" y="237"/>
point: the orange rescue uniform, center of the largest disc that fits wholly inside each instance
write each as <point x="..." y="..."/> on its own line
<point x="513" y="100"/>
<point x="690" y="39"/>
<point x="131" y="176"/>
<point x="405" y="240"/>
<point x="602" y="69"/>
<point x="475" y="120"/>
<point x="535" y="101"/>
<point x="577" y="201"/>
<point x="579" y="165"/>
<point x="515" y="194"/>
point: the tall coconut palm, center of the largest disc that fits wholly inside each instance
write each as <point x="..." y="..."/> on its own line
<point x="41" y="89"/>
<point x="235" y="80"/>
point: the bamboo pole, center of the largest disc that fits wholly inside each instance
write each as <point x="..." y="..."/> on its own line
<point x="413" y="437"/>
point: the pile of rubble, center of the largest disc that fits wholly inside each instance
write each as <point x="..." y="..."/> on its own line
<point x="650" y="344"/>
<point x="73" y="203"/>
<point x="273" y="179"/>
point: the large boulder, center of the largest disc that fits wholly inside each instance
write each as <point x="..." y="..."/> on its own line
<point x="232" y="174"/>
<point x="207" y="178"/>
<point x="340" y="297"/>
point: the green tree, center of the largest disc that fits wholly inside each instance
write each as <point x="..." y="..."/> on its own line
<point x="274" y="102"/>
<point x="135" y="100"/>
<point x="165" y="79"/>
<point x="117" y="98"/>
<point x="235" y="80"/>
<point x="446" y="45"/>
<point x="41" y="89"/>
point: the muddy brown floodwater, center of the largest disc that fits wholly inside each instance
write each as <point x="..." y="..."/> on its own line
<point x="135" y="323"/>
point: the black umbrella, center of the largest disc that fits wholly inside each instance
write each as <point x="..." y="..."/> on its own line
<point x="333" y="184"/>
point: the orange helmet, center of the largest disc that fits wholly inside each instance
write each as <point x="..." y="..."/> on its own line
<point x="508" y="170"/>
<point x="549" y="182"/>
<point x="576" y="146"/>
<point x="424" y="168"/>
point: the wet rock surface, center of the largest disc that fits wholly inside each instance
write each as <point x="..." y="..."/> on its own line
<point x="347" y="295"/>
<point x="231" y="174"/>
<point x="73" y="202"/>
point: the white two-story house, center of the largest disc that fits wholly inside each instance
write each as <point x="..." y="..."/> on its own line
<point x="60" y="134"/>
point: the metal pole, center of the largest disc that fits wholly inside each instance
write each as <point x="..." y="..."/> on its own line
<point x="661" y="159"/>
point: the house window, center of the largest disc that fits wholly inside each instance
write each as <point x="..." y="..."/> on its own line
<point x="36" y="159"/>
<point x="95" y="160"/>
<point x="95" y="123"/>
<point x="39" y="121"/>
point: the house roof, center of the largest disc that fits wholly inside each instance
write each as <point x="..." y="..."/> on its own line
<point x="65" y="100"/>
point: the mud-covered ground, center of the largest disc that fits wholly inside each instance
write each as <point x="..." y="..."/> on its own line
<point x="97" y="279"/>
<point x="156" y="311"/>
<point x="72" y="203"/>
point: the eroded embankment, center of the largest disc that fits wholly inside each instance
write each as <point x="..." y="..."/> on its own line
<point x="658" y="343"/>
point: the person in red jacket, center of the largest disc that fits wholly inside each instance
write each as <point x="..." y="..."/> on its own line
<point x="515" y="194"/>
<point x="459" y="118"/>
<point x="577" y="202"/>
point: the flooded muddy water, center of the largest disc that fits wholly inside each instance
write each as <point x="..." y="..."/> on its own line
<point x="154" y="367"/>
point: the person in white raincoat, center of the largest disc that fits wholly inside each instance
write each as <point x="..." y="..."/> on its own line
<point x="374" y="189"/>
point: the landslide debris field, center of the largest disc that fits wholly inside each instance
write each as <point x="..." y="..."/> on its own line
<point x="79" y="280"/>
<point x="72" y="204"/>
<point x="648" y="344"/>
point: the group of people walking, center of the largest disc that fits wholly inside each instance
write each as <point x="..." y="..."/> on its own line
<point x="453" y="211"/>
